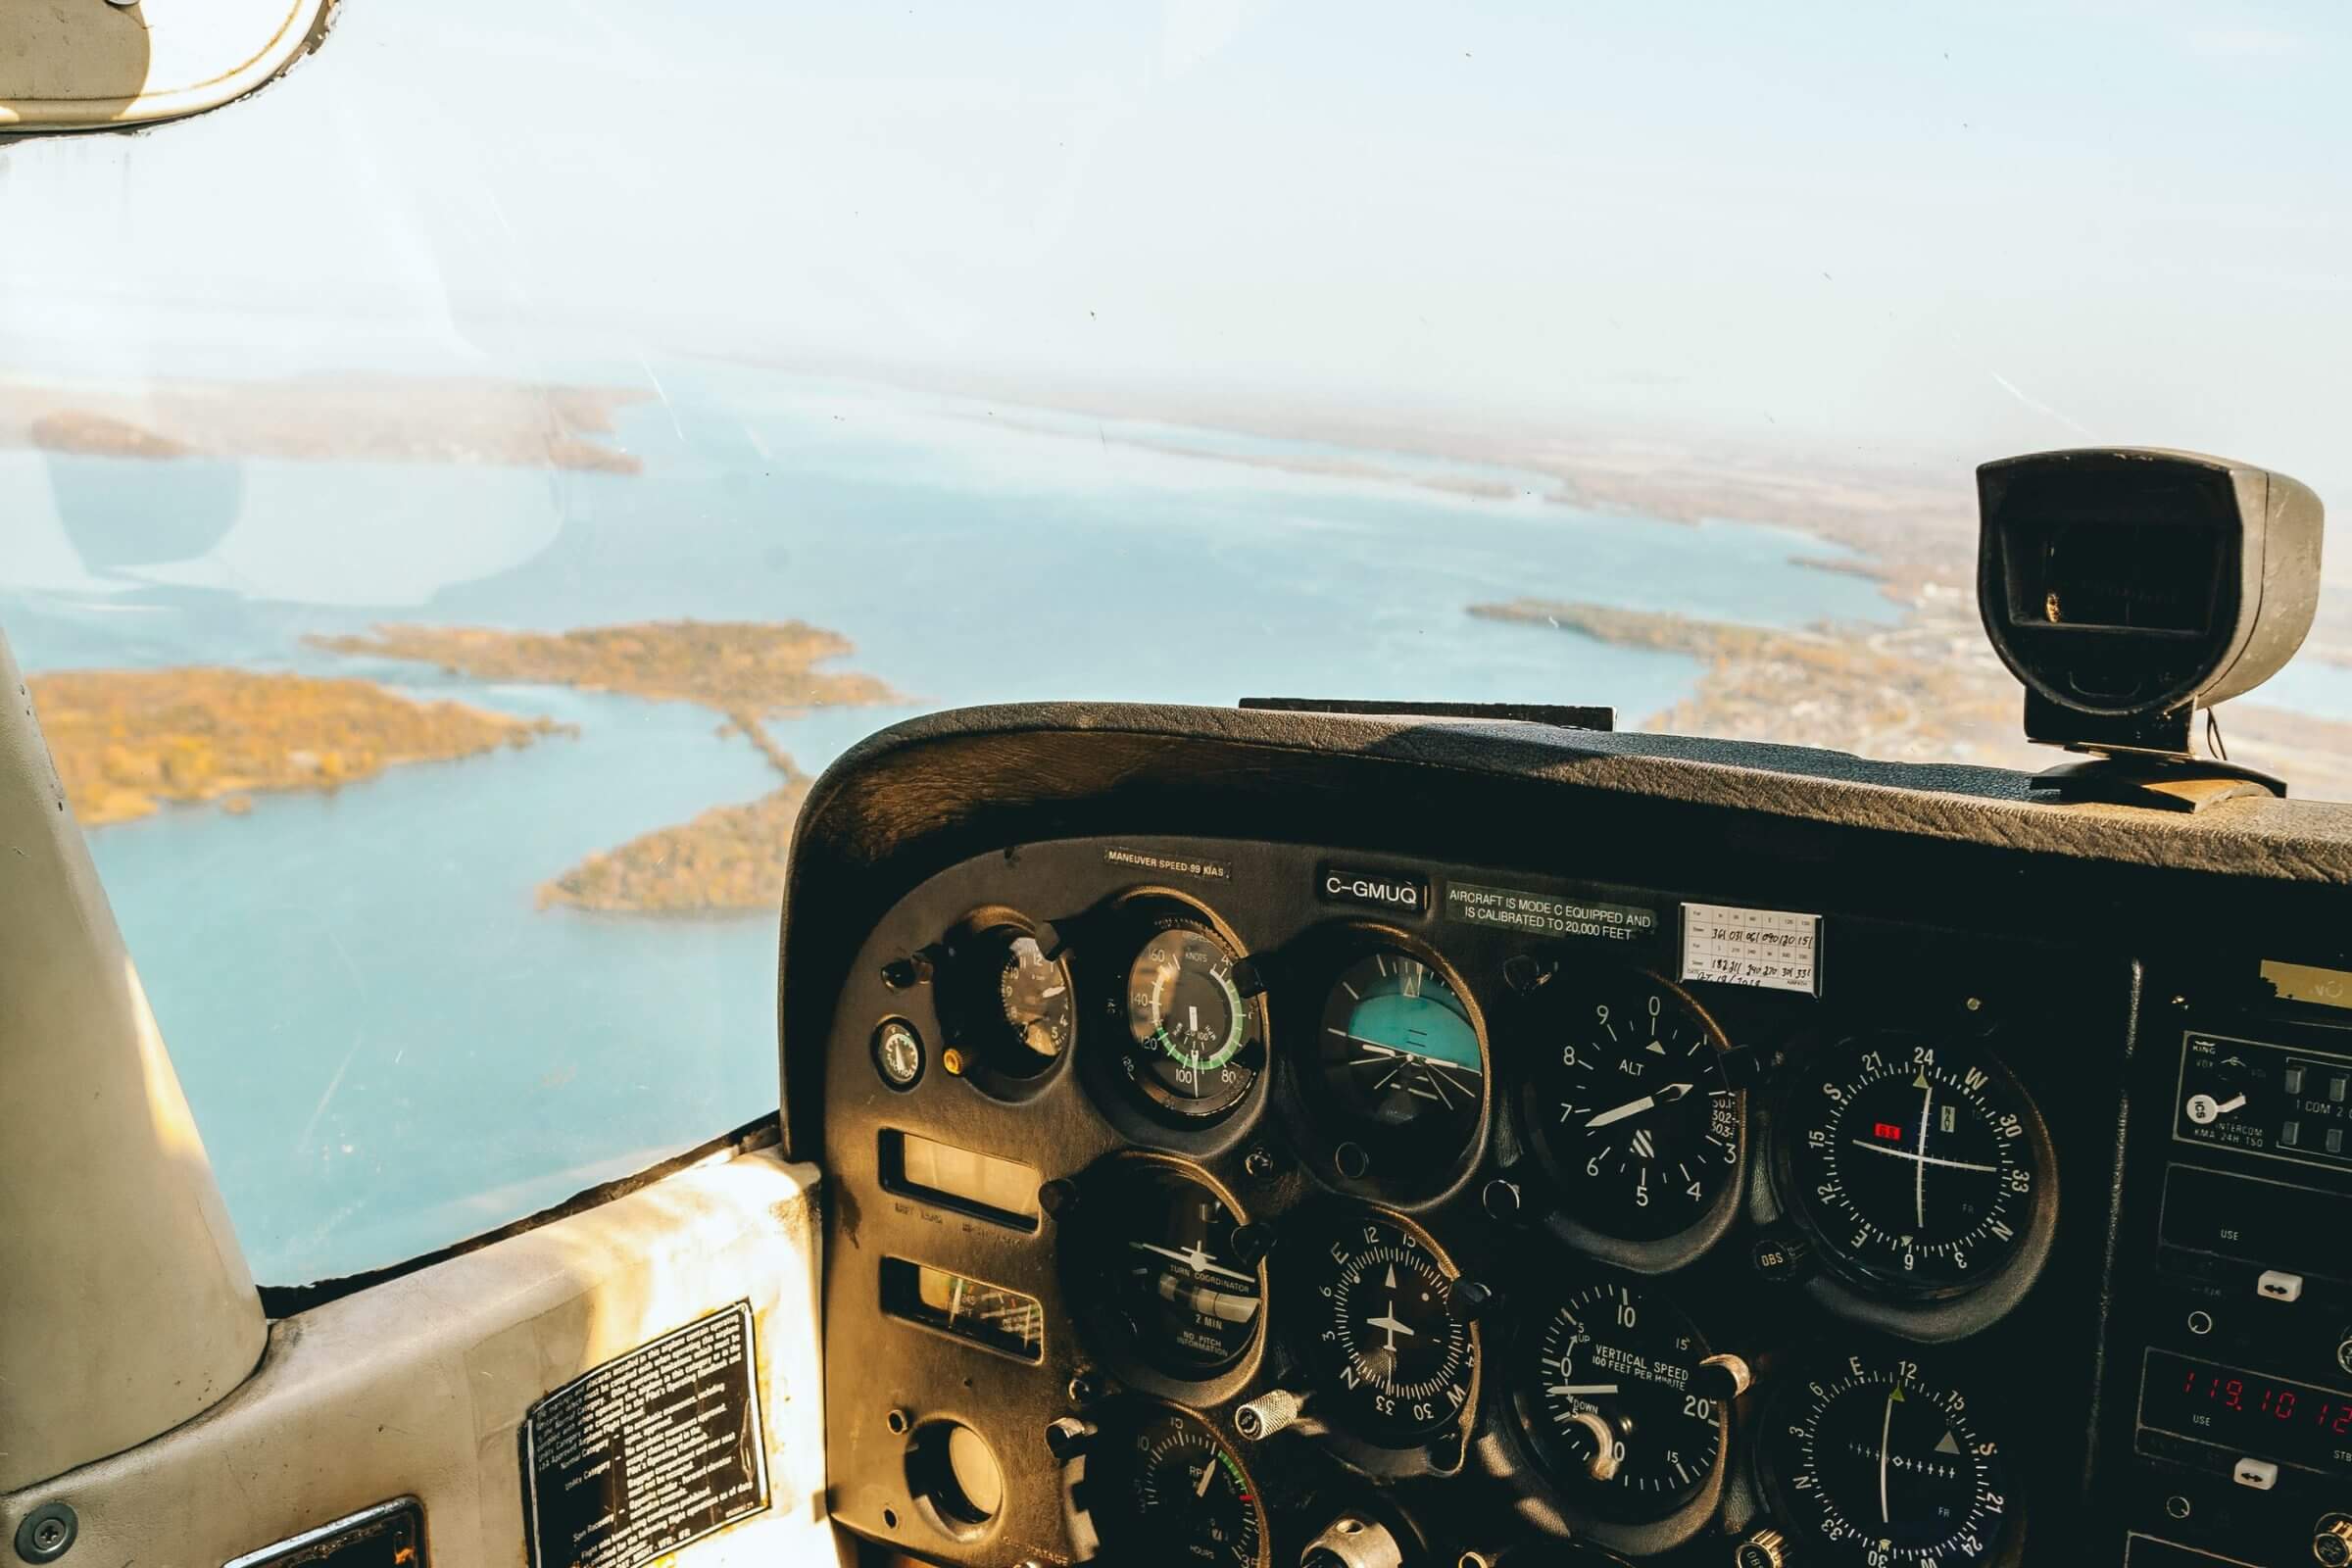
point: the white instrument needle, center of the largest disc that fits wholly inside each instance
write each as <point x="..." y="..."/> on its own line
<point x="1634" y="1107"/>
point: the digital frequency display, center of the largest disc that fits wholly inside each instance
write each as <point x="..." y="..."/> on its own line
<point x="2247" y="1412"/>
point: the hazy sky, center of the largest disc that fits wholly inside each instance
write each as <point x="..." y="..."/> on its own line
<point x="1969" y="227"/>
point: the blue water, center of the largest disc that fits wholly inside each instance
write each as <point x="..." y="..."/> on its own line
<point x="388" y="1046"/>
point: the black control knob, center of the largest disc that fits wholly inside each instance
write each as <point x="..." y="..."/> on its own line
<point x="2333" y="1544"/>
<point x="1057" y="1197"/>
<point x="1469" y="1301"/>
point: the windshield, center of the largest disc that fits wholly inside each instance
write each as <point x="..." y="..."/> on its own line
<point x="455" y="502"/>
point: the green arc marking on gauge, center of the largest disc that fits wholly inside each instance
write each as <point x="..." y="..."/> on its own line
<point x="1224" y="1053"/>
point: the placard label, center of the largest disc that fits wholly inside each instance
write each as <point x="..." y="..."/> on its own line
<point x="1777" y="950"/>
<point x="1398" y="892"/>
<point x="1548" y="915"/>
<point x="632" y="1460"/>
<point x="1168" y="865"/>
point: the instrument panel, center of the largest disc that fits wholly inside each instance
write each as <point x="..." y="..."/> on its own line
<point x="1288" y="1208"/>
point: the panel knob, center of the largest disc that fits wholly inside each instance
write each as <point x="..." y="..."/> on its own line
<point x="2333" y="1544"/>
<point x="1608" y="1446"/>
<point x="1267" y="1414"/>
<point x="1349" y="1542"/>
<point x="2205" y="1109"/>
<point x="1766" y="1548"/>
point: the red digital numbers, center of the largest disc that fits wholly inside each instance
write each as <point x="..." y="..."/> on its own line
<point x="2279" y="1401"/>
<point x="1888" y="1131"/>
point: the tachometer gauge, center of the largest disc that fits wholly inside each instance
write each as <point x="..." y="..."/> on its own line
<point x="1161" y="1268"/>
<point x="1393" y="1363"/>
<point x="1400" y="1061"/>
<point x="1166" y="1492"/>
<point x="1191" y="1044"/>
<point x="1886" y="1467"/>
<point x="1628" y="1106"/>
<point x="1610" y="1391"/>
<point x="1920" y="1168"/>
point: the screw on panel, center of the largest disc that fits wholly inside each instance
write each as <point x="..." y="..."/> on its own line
<point x="1259" y="1163"/>
<point x="898" y="1421"/>
<point x="47" y="1532"/>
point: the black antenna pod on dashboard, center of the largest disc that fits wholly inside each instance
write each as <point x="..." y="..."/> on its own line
<point x="2128" y="587"/>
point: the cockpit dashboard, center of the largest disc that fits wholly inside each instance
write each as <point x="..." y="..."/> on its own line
<point x="1274" y="1139"/>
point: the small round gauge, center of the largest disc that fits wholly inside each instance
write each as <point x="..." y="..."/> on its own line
<point x="1393" y="1362"/>
<point x="1009" y="1004"/>
<point x="1920" y="1168"/>
<point x="1401" y="1062"/>
<point x="1168" y="1270"/>
<point x="1168" y="1493"/>
<point x="1033" y="997"/>
<point x="1629" y="1107"/>
<point x="1192" y="1043"/>
<point x="1611" y="1398"/>
<point x="1887" y="1467"/>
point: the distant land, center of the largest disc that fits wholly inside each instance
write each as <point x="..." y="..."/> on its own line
<point x="1909" y="515"/>
<point x="755" y="670"/>
<point x="128" y="742"/>
<point x="1926" y="689"/>
<point x="391" y="418"/>
<point x="726" y="859"/>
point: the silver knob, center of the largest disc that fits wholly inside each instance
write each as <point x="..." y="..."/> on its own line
<point x="1606" y="1455"/>
<point x="1352" y="1543"/>
<point x="1267" y="1414"/>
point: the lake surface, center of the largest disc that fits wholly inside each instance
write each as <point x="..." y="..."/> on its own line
<point x="388" y="1045"/>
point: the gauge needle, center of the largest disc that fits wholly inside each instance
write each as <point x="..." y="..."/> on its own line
<point x="1198" y="1261"/>
<point x="1582" y="1387"/>
<point x="1936" y="1161"/>
<point x="1208" y="1468"/>
<point x="1919" y="1172"/>
<point x="1666" y="1096"/>
<point x="1885" y="1435"/>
